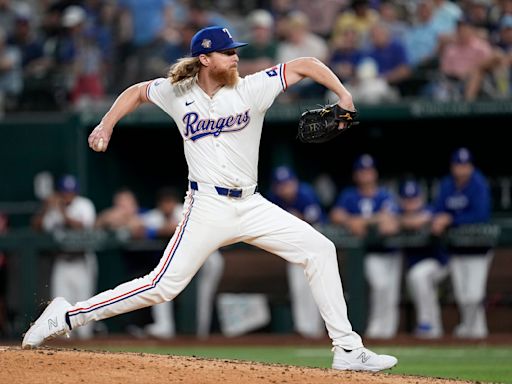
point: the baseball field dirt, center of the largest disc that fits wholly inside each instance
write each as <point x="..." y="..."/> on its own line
<point x="62" y="366"/>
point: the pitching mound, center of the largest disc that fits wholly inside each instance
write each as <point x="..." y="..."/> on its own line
<point x="75" y="366"/>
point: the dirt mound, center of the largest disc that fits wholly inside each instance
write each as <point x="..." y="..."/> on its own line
<point x="76" y="366"/>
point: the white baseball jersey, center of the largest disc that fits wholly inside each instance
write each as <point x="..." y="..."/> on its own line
<point x="81" y="209"/>
<point x="221" y="133"/>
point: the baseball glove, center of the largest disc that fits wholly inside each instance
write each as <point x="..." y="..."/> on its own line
<point x="322" y="124"/>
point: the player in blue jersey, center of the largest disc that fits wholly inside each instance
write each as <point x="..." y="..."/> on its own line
<point x="426" y="265"/>
<point x="361" y="208"/>
<point x="464" y="198"/>
<point x="299" y="198"/>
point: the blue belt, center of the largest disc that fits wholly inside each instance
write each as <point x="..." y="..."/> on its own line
<point x="223" y="191"/>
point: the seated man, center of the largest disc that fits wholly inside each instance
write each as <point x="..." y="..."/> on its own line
<point x="426" y="265"/>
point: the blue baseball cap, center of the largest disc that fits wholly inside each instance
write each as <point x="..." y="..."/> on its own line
<point x="462" y="156"/>
<point x="67" y="183"/>
<point x="409" y="189"/>
<point x="282" y="174"/>
<point x="212" y="39"/>
<point x="364" y="161"/>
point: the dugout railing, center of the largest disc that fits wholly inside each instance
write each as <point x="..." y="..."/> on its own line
<point x="27" y="246"/>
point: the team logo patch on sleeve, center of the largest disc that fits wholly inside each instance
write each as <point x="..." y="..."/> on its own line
<point x="272" y="72"/>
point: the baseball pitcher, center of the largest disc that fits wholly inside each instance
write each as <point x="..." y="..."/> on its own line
<point x="220" y="118"/>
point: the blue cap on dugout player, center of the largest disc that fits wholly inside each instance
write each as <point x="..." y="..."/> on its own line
<point x="409" y="189"/>
<point x="282" y="174"/>
<point x="364" y="161"/>
<point x="212" y="39"/>
<point x="462" y="156"/>
<point x="67" y="183"/>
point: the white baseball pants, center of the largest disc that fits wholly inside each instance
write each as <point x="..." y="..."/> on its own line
<point x="469" y="279"/>
<point x="211" y="221"/>
<point x="383" y="272"/>
<point x="422" y="281"/>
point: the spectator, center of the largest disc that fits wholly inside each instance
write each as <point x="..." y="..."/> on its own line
<point x="161" y="222"/>
<point x="35" y="65"/>
<point x="479" y="15"/>
<point x="446" y="15"/>
<point x="280" y="10"/>
<point x="177" y="49"/>
<point x="263" y="50"/>
<point x="361" y="209"/>
<point x="73" y="272"/>
<point x="11" y="78"/>
<point x="426" y="266"/>
<point x="89" y="70"/>
<point x="368" y="86"/>
<point x="299" y="42"/>
<point x="360" y="17"/>
<point x="459" y="60"/>
<point x="203" y="14"/>
<point x="77" y="73"/>
<point x="357" y="71"/>
<point x="395" y="17"/>
<point x="299" y="199"/>
<point x="346" y="55"/>
<point x="422" y="44"/>
<point x="142" y="26"/>
<point x="389" y="55"/>
<point x="464" y="198"/>
<point x="323" y="12"/>
<point x="102" y="27"/>
<point x="496" y="68"/>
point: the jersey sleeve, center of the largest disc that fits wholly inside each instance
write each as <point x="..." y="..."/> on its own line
<point x="263" y="87"/>
<point x="160" y="92"/>
<point x="87" y="213"/>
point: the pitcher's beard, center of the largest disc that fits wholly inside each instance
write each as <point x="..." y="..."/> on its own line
<point x="227" y="77"/>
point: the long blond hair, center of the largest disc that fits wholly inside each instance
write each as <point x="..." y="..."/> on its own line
<point x="184" y="68"/>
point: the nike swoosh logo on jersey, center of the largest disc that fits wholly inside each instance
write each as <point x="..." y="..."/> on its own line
<point x="187" y="103"/>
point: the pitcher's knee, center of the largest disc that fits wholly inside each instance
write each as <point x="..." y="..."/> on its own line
<point x="323" y="250"/>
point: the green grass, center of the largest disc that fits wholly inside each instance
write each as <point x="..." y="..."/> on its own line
<point x="475" y="363"/>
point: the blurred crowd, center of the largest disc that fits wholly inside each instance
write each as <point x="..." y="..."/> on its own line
<point x="364" y="208"/>
<point x="62" y="54"/>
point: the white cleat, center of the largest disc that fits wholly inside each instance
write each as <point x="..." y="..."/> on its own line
<point x="361" y="359"/>
<point x="50" y="324"/>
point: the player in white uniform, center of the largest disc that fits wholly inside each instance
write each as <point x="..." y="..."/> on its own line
<point x="220" y="117"/>
<point x="74" y="274"/>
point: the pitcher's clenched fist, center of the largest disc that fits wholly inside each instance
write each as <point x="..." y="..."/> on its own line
<point x="99" y="138"/>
